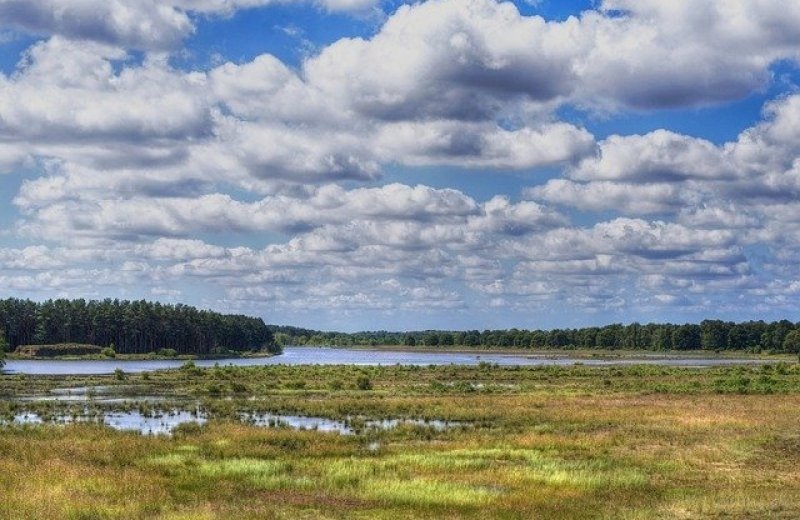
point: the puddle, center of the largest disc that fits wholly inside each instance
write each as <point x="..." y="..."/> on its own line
<point x="145" y="424"/>
<point x="165" y="422"/>
<point x="296" y="422"/>
<point x="85" y="390"/>
<point x="87" y="398"/>
<point x="121" y="416"/>
<point x="30" y="418"/>
<point x="436" y="424"/>
<point x="93" y="394"/>
<point x="348" y="426"/>
<point x="152" y="424"/>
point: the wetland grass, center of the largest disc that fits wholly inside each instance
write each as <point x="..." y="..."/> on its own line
<point x="543" y="442"/>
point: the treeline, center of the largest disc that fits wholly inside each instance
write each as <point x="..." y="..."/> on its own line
<point x="130" y="327"/>
<point x="779" y="336"/>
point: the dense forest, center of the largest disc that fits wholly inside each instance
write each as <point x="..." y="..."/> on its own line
<point x="140" y="327"/>
<point x="130" y="327"/>
<point x="779" y="336"/>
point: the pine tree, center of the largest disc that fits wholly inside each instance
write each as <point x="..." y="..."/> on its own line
<point x="3" y="347"/>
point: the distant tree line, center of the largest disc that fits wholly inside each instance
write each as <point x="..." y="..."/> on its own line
<point x="130" y="327"/>
<point x="717" y="335"/>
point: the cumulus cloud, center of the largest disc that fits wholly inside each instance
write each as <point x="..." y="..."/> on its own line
<point x="183" y="216"/>
<point x="648" y="240"/>
<point x="152" y="25"/>
<point x="477" y="145"/>
<point x="664" y="172"/>
<point x="631" y="199"/>
<point x="469" y="83"/>
<point x="445" y="59"/>
<point x="262" y="182"/>
<point x="69" y="92"/>
<point x="660" y="156"/>
<point x="144" y="24"/>
<point x="463" y="59"/>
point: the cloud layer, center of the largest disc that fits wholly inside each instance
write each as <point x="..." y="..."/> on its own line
<point x="261" y="185"/>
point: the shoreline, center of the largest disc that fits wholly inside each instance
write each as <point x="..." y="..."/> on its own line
<point x="561" y="353"/>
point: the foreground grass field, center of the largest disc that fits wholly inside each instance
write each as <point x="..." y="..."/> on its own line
<point x="548" y="442"/>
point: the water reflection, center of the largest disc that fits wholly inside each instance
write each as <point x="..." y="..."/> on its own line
<point x="152" y="424"/>
<point x="330" y="356"/>
<point x="295" y="422"/>
<point x="347" y="426"/>
<point x="165" y="422"/>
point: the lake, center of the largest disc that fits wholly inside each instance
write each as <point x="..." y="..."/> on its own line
<point x="331" y="356"/>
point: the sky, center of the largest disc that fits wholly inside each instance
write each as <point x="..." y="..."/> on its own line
<point x="367" y="164"/>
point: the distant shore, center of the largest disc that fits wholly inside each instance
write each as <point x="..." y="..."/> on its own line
<point x="572" y="353"/>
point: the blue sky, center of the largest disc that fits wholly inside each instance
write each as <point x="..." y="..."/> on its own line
<point x="357" y="164"/>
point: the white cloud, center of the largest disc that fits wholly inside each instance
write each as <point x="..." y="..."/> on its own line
<point x="746" y="183"/>
<point x="260" y="182"/>
<point x="484" y="145"/>
<point x="660" y="156"/>
<point x="134" y="217"/>
<point x="177" y="249"/>
<point x="465" y="59"/>
<point x="69" y="92"/>
<point x="152" y="25"/>
<point x="631" y="199"/>
<point x="144" y="24"/>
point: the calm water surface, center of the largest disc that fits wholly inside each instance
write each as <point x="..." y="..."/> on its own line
<point x="330" y="356"/>
<point x="164" y="422"/>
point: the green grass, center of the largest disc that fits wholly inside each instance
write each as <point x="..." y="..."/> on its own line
<point x="539" y="442"/>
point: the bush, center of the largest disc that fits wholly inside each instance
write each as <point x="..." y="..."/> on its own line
<point x="190" y="369"/>
<point x="437" y="386"/>
<point x="238" y="387"/>
<point x="119" y="375"/>
<point x="167" y="352"/>
<point x="791" y="342"/>
<point x="187" y="429"/>
<point x="60" y="349"/>
<point x="363" y="383"/>
<point x="463" y="387"/>
<point x="108" y="352"/>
